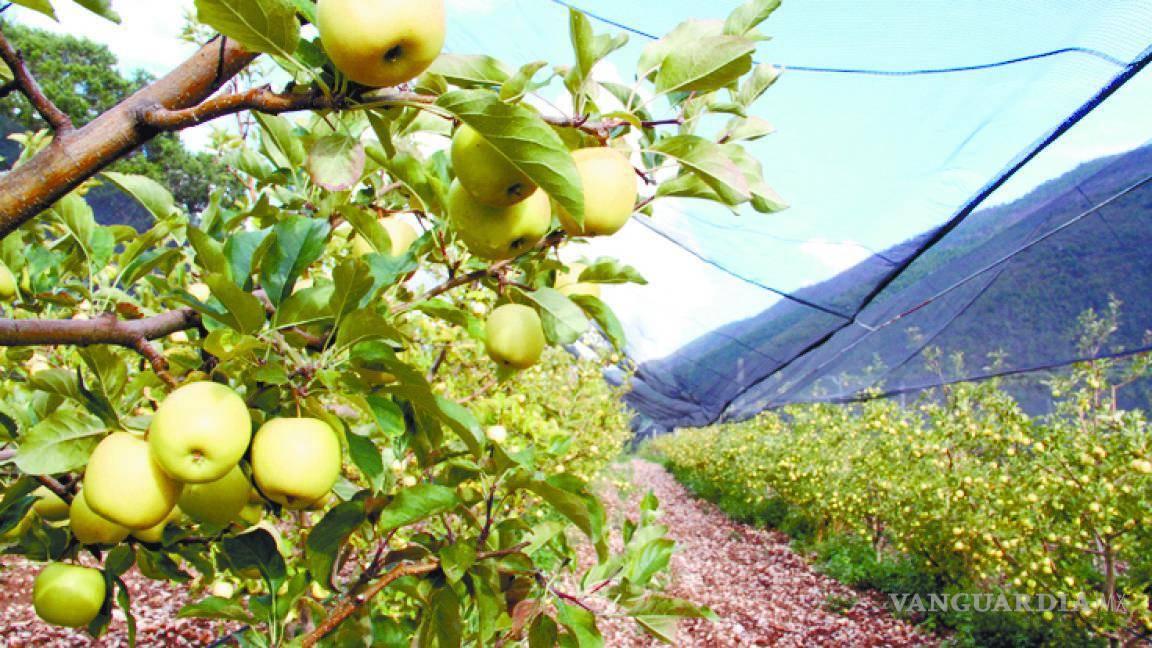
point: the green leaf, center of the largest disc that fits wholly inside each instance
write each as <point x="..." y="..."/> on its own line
<point x="456" y="559"/>
<point x="159" y="566"/>
<point x="326" y="539"/>
<point x="364" y="325"/>
<point x="708" y="64"/>
<point x="517" y="85"/>
<point x="119" y="560"/>
<point x="60" y="443"/>
<point x="453" y="314"/>
<point x="336" y="162"/>
<point x="215" y="607"/>
<point x="144" y="264"/>
<point x="280" y="142"/>
<point x="209" y="251"/>
<point x="709" y="161"/>
<point x="368" y="226"/>
<point x="529" y="143"/>
<point x="43" y="6"/>
<point x="352" y="280"/>
<point x="463" y="423"/>
<point x="307" y="306"/>
<point x="124" y="600"/>
<point x="245" y="312"/>
<point x="749" y="15"/>
<point x="299" y="241"/>
<point x="387" y="414"/>
<point x="581" y="623"/>
<point x="589" y="47"/>
<point x="607" y="270"/>
<point x="254" y="550"/>
<point x="241" y="251"/>
<point x="470" y="69"/>
<point x="604" y="317"/>
<point x="571" y="505"/>
<point x="266" y="26"/>
<point x="102" y="8"/>
<point x="543" y="633"/>
<point x="762" y="78"/>
<point x="366" y="456"/>
<point x="94" y="241"/>
<point x="442" y="625"/>
<point x="563" y="320"/>
<point x="417" y="503"/>
<point x="747" y="129"/>
<point x="146" y="191"/>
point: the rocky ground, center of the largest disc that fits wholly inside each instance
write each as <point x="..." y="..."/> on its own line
<point x="763" y="592"/>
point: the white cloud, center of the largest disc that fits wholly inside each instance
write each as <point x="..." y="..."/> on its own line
<point x="835" y="255"/>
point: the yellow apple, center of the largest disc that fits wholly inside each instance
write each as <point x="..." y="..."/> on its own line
<point x="495" y="233"/>
<point x="200" y="432"/>
<point x="200" y="291"/>
<point x="401" y="234"/>
<point x="7" y="283"/>
<point x="381" y="43"/>
<point x="515" y="336"/>
<point x="217" y="502"/>
<point x="90" y="528"/>
<point x="295" y="461"/>
<point x="485" y="173"/>
<point x="609" y="192"/>
<point x="569" y="282"/>
<point x="68" y="595"/>
<point x="124" y="484"/>
<point x="155" y="533"/>
<point x="49" y="506"/>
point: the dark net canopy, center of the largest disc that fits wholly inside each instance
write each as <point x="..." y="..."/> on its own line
<point x="964" y="178"/>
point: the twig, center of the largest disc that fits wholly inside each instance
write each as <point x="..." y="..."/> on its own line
<point x="23" y="78"/>
<point x="56" y="487"/>
<point x="159" y="362"/>
<point x="480" y="391"/>
<point x="105" y="329"/>
<point x="435" y="368"/>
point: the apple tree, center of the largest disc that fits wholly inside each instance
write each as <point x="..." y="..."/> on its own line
<point x="330" y="390"/>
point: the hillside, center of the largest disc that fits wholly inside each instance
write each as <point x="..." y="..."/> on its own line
<point x="1041" y="292"/>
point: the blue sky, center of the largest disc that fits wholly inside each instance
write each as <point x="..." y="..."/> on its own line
<point x="866" y="161"/>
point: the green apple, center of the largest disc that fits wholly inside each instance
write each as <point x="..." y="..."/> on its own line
<point x="200" y="291"/>
<point x="515" y="336"/>
<point x="381" y="43"/>
<point x="217" y="502"/>
<point x="90" y="528"/>
<point x="401" y="234"/>
<point x="252" y="513"/>
<point x="155" y="533"/>
<point x="569" y="282"/>
<point x="125" y="485"/>
<point x="295" y="461"/>
<point x="200" y="432"/>
<point x="7" y="283"/>
<point x="609" y="192"/>
<point x="49" y="506"/>
<point x="21" y="527"/>
<point x="68" y="595"/>
<point x="495" y="233"/>
<point x="485" y="173"/>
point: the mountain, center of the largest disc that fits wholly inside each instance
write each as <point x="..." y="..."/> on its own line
<point x="1011" y="281"/>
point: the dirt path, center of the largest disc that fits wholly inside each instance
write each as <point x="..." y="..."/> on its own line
<point x="764" y="593"/>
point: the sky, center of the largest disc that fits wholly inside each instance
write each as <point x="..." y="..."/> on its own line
<point x="865" y="161"/>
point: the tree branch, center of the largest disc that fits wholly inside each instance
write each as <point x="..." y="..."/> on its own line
<point x="23" y="79"/>
<point x="359" y="599"/>
<point x="7" y="88"/>
<point x="105" y="329"/>
<point x="80" y="154"/>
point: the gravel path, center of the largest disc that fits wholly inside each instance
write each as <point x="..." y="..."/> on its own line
<point x="764" y="593"/>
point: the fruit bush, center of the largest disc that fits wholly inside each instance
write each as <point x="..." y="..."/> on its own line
<point x="338" y="402"/>
<point x="962" y="486"/>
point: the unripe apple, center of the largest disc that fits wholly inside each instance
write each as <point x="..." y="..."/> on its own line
<point x="609" y="192"/>
<point x="48" y="505"/>
<point x="485" y="172"/>
<point x="401" y="234"/>
<point x="90" y="528"/>
<point x="496" y="433"/>
<point x="295" y="461"/>
<point x="68" y="595"/>
<point x="381" y="43"/>
<point x="200" y="291"/>
<point x="200" y="432"/>
<point x="7" y="283"/>
<point x="124" y="484"/>
<point x="155" y="533"/>
<point x="217" y="502"/>
<point x="495" y="233"/>
<point x="569" y="282"/>
<point x="223" y="589"/>
<point x="514" y="336"/>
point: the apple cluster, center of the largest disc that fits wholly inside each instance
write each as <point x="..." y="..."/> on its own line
<point x="188" y="465"/>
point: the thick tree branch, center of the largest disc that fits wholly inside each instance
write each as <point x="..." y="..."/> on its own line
<point x="105" y="329"/>
<point x="75" y="156"/>
<point x="23" y="78"/>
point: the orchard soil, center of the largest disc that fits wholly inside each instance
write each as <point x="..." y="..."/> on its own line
<point x="763" y="592"/>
